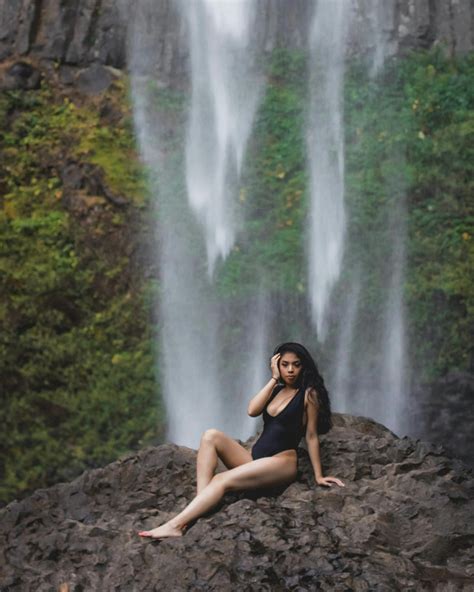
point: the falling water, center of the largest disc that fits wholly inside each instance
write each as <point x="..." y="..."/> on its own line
<point x="206" y="346"/>
<point x="225" y="94"/>
<point x="369" y="371"/>
<point x="394" y="370"/>
<point x="381" y="16"/>
<point x="197" y="224"/>
<point x="325" y="141"/>
<point x="345" y="346"/>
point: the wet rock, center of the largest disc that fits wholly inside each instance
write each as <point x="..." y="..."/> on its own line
<point x="67" y="74"/>
<point x="407" y="526"/>
<point x="85" y="188"/>
<point x="20" y="75"/>
<point x="66" y="32"/>
<point x="94" y="80"/>
<point x="90" y="31"/>
<point x="444" y="413"/>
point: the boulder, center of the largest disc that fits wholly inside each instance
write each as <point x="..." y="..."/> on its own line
<point x="443" y="413"/>
<point x="20" y="75"/>
<point x="94" y="80"/>
<point x="403" y="522"/>
<point x="85" y="186"/>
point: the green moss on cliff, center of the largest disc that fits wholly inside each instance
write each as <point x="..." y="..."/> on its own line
<point x="410" y="138"/>
<point x="273" y="199"/>
<point x="409" y="170"/>
<point x="76" y="361"/>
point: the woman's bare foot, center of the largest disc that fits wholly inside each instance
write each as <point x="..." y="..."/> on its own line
<point x="163" y="531"/>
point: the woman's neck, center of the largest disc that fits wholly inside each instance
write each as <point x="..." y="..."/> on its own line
<point x="287" y="387"/>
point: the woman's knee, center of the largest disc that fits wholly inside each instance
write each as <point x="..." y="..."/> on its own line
<point x="211" y="436"/>
<point x="221" y="482"/>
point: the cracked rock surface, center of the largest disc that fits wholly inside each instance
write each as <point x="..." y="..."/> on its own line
<point x="404" y="521"/>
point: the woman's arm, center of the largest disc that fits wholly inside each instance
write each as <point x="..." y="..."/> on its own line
<point x="257" y="404"/>
<point x="312" y="441"/>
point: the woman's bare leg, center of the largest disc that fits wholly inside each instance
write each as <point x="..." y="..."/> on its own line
<point x="215" y="444"/>
<point x="264" y="472"/>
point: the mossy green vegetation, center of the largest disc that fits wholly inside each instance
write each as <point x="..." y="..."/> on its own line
<point x="273" y="192"/>
<point x="409" y="155"/>
<point x="76" y="359"/>
<point x="410" y="137"/>
<point x="440" y="286"/>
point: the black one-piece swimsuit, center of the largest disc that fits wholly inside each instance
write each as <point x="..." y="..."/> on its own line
<point x="284" y="431"/>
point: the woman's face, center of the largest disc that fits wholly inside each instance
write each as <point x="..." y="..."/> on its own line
<point x="290" y="368"/>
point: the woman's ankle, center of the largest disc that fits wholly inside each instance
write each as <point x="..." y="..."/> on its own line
<point x="177" y="524"/>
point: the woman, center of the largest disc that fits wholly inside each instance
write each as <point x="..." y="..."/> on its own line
<point x="294" y="403"/>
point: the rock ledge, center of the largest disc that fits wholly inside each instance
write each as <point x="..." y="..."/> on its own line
<point x="403" y="522"/>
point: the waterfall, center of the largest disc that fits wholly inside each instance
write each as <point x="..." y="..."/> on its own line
<point x="325" y="140"/>
<point x="382" y="20"/>
<point x="370" y="370"/>
<point x="394" y="370"/>
<point x="212" y="352"/>
<point x="342" y="366"/>
<point x="225" y="93"/>
<point x="197" y="224"/>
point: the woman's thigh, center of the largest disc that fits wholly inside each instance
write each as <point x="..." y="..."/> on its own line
<point x="228" y="450"/>
<point x="280" y="469"/>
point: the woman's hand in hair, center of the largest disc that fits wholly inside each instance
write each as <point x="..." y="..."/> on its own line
<point x="328" y="481"/>
<point x="274" y="366"/>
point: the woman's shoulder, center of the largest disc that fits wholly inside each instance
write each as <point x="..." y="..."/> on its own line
<point x="277" y="388"/>
<point x="311" y="396"/>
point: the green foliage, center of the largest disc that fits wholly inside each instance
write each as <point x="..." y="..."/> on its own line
<point x="412" y="131"/>
<point x="113" y="149"/>
<point x="76" y="360"/>
<point x="272" y="193"/>
<point x="409" y="154"/>
<point x="287" y="68"/>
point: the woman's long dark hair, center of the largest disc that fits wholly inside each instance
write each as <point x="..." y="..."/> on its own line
<point x="310" y="377"/>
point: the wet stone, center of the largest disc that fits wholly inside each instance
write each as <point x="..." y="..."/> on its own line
<point x="401" y="523"/>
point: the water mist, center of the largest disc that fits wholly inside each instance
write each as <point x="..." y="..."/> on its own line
<point x="212" y="352"/>
<point x="225" y="93"/>
<point x="196" y="226"/>
<point x="370" y="374"/>
<point x="325" y="140"/>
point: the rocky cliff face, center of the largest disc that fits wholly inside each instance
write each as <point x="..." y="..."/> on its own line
<point x="82" y="32"/>
<point x="67" y="32"/>
<point x="444" y="413"/>
<point x="403" y="522"/>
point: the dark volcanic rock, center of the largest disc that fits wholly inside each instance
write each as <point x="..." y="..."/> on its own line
<point x="84" y="185"/>
<point x="70" y="31"/>
<point x="444" y="413"/>
<point x="82" y="32"/>
<point x="20" y="76"/>
<point x="403" y="522"/>
<point x="94" y="80"/>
